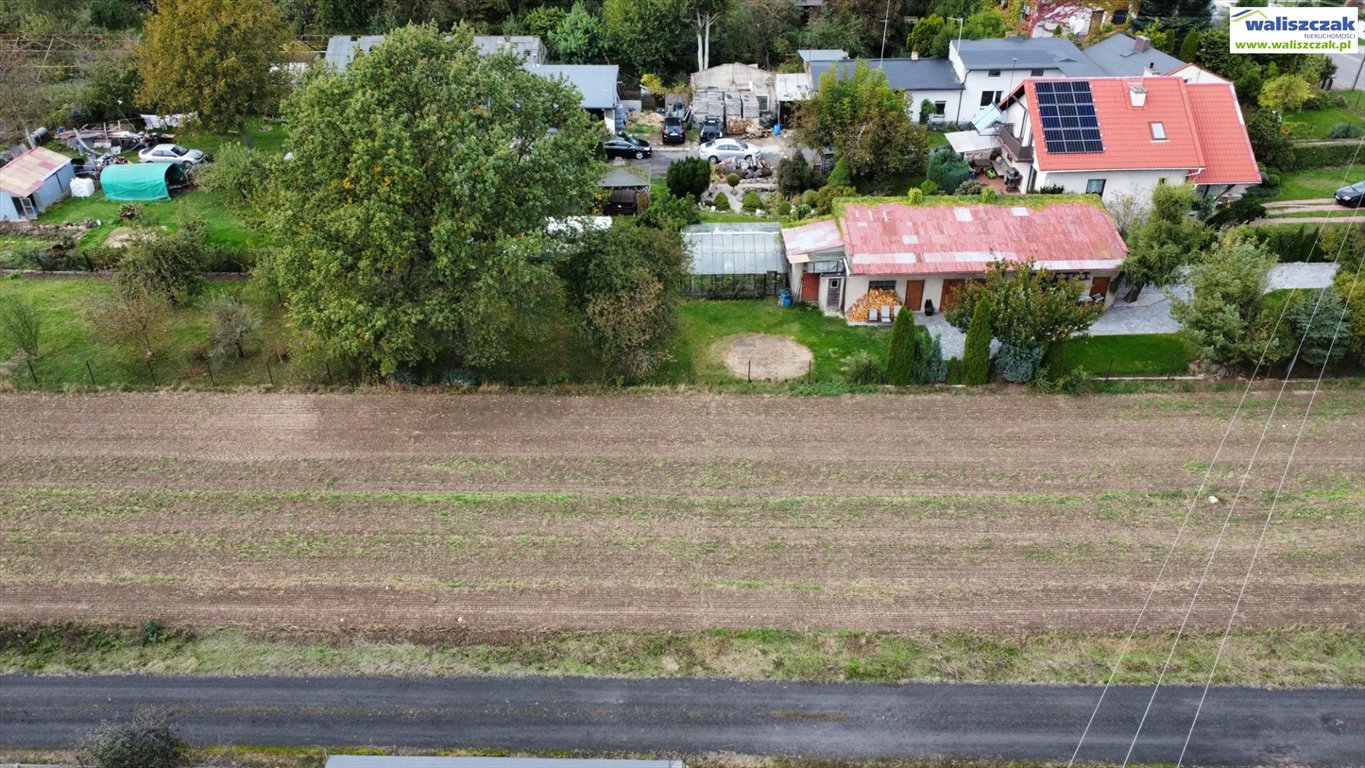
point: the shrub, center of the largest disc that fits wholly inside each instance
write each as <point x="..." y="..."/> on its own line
<point x="954" y="371"/>
<point x="669" y="212"/>
<point x="935" y="369"/>
<point x="915" y="196"/>
<point x="732" y="179"/>
<point x="1241" y="211"/>
<point x="235" y="170"/>
<point x="929" y="187"/>
<point x="976" y="355"/>
<point x="795" y="175"/>
<point x="751" y="202"/>
<point x="233" y="324"/>
<point x="147" y="741"/>
<point x="841" y="176"/>
<point x="1051" y="189"/>
<point x="862" y="368"/>
<point x="1343" y="131"/>
<point x="21" y="323"/>
<point x="948" y="170"/>
<point x="1018" y="363"/>
<point x="783" y="207"/>
<point x="689" y="177"/>
<point x="926" y="111"/>
<point x="168" y="264"/>
<point x="969" y="188"/>
<point x="988" y="195"/>
<point x="824" y="200"/>
<point x="902" y="360"/>
<point x="722" y="202"/>
<point x="810" y="198"/>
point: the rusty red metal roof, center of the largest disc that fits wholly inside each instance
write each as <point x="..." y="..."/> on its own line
<point x="900" y="239"/>
<point x="27" y="172"/>
<point x="1228" y="157"/>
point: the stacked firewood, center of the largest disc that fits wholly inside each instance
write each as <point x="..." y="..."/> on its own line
<point x="874" y="299"/>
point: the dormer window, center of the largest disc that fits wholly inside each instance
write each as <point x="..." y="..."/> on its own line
<point x="993" y="73"/>
<point x="1158" y="132"/>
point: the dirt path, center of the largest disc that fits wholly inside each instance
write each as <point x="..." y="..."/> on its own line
<point x="494" y="513"/>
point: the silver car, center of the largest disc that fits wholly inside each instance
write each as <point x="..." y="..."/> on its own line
<point x="171" y="153"/>
<point x="728" y="149"/>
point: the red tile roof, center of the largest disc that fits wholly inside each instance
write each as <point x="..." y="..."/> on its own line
<point x="27" y="172"/>
<point x="1228" y="158"/>
<point x="1205" y="134"/>
<point x="899" y="239"/>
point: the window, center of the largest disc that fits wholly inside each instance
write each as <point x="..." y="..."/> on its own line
<point x="1158" y="131"/>
<point x="993" y="73"/>
<point x="881" y="285"/>
<point x="762" y="103"/>
<point x="1035" y="73"/>
<point x="989" y="97"/>
<point x="940" y="107"/>
<point x="1095" y="187"/>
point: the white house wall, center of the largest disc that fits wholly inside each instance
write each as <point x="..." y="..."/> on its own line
<point x="7" y="210"/>
<point x="1138" y="184"/>
<point x="979" y="81"/>
<point x="951" y="101"/>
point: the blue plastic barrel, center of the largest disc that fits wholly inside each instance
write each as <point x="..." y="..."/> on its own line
<point x="784" y="298"/>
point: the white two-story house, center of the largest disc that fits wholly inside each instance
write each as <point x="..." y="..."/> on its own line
<point x="1126" y="135"/>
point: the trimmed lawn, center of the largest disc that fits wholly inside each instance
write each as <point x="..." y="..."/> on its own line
<point x="1151" y="354"/>
<point x="1316" y="123"/>
<point x="830" y="340"/>
<point x="937" y="139"/>
<point x="1315" y="183"/>
<point x="220" y="213"/>
<point x="69" y="342"/>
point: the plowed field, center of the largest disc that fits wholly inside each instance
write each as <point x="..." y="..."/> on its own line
<point x="504" y="512"/>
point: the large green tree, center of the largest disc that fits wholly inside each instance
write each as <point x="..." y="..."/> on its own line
<point x="580" y="38"/>
<point x="421" y="181"/>
<point x="212" y="57"/>
<point x="648" y="35"/>
<point x="1224" y="316"/>
<point x="867" y="122"/>
<point x="1169" y="239"/>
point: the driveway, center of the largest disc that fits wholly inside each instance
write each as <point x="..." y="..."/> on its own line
<point x="1238" y="726"/>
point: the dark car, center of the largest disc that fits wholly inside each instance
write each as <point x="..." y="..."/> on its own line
<point x="710" y="129"/>
<point x="1352" y="196"/>
<point x="626" y="146"/>
<point x="674" y="133"/>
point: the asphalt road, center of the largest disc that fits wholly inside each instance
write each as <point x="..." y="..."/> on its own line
<point x="1239" y="726"/>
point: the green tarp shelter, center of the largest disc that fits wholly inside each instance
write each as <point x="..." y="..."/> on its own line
<point x="141" y="181"/>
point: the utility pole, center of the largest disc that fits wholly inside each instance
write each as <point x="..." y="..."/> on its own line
<point x="886" y="24"/>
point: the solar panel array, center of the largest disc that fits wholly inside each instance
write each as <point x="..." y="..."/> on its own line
<point x="1067" y="109"/>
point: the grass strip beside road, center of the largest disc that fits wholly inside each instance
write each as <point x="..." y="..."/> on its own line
<point x="1282" y="657"/>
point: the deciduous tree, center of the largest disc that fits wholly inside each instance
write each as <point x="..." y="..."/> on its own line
<point x="22" y="325"/>
<point x="213" y="58"/>
<point x="1285" y="93"/>
<point x="580" y="38"/>
<point x="866" y="121"/>
<point x="234" y="323"/>
<point x="647" y="35"/>
<point x="412" y="226"/>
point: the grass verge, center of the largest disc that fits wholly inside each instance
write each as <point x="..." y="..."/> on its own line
<point x="1282" y="657"/>
<point x="1314" y="183"/>
<point x="1315" y="123"/>
<point x="1150" y="354"/>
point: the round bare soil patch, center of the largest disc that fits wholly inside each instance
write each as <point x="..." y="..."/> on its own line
<point x="764" y="356"/>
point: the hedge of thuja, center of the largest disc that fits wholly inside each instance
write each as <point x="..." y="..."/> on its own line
<point x="1307" y="242"/>
<point x="976" y="355"/>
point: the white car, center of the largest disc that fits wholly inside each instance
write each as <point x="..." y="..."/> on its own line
<point x="171" y="153"/>
<point x="728" y="149"/>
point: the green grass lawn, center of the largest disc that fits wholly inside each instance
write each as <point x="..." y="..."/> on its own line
<point x="1154" y="354"/>
<point x="1314" y="124"/>
<point x="830" y="340"/>
<point x="70" y="341"/>
<point x="937" y="139"/>
<point x="1316" y="183"/>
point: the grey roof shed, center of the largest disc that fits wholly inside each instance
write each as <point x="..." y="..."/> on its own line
<point x="902" y="74"/>
<point x="735" y="249"/>
<point x="1015" y="53"/>
<point x="1123" y="56"/>
<point x="597" y="82"/>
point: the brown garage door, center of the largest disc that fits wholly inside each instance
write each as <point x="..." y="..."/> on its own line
<point x="914" y="295"/>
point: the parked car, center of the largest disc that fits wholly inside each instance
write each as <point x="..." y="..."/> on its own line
<point x="728" y="149"/>
<point x="710" y="129"/>
<point x="674" y="132"/>
<point x="1352" y="196"/>
<point x="172" y="153"/>
<point x="622" y="145"/>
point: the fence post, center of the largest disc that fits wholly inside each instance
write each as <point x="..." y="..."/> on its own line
<point x="328" y="366"/>
<point x="809" y="367"/>
<point x="269" y="372"/>
<point x="751" y="371"/>
<point x="152" y="371"/>
<point x="208" y="366"/>
<point x="30" y="370"/>
<point x="92" y="373"/>
<point x="1110" y="371"/>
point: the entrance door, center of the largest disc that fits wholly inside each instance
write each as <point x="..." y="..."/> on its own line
<point x="1099" y="286"/>
<point x="950" y="289"/>
<point x="914" y="295"/>
<point x="810" y="288"/>
<point x="835" y="295"/>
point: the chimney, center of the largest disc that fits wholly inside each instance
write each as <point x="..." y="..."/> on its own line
<point x="914" y="55"/>
<point x="1137" y="95"/>
<point x="1142" y="43"/>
